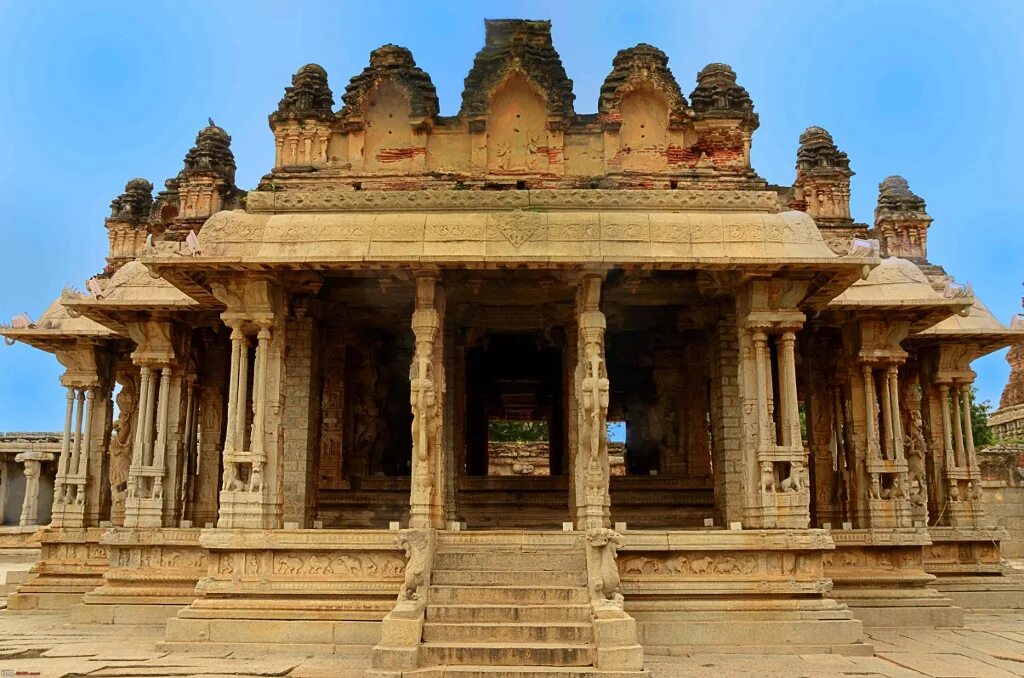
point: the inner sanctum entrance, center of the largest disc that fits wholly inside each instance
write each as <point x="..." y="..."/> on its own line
<point x="509" y="346"/>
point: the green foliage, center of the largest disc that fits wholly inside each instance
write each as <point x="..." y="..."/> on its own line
<point x="979" y="420"/>
<point x="503" y="431"/>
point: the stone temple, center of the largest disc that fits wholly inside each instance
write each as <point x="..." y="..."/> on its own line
<point x="283" y="404"/>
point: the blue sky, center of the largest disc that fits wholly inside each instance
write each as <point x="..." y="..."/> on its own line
<point x="95" y="93"/>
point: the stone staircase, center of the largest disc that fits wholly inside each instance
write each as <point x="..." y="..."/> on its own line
<point x="510" y="606"/>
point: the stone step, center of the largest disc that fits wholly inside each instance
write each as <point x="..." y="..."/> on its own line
<point x="508" y="595"/>
<point x="525" y="561"/>
<point x="507" y="654"/>
<point x="535" y="672"/>
<point x="15" y="577"/>
<point x="507" y="578"/>
<point x="469" y="614"/>
<point x="514" y="632"/>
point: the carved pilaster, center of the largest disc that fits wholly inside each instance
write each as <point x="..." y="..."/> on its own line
<point x="592" y="499"/>
<point x="426" y="382"/>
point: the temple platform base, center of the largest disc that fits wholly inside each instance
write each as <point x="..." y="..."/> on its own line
<point x="969" y="568"/>
<point x="152" y="575"/>
<point x="880" y="575"/>
<point x="72" y="562"/>
<point x="314" y="591"/>
<point x="723" y="591"/>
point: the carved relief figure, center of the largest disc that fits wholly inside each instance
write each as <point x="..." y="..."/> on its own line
<point x="418" y="547"/>
<point x="607" y="586"/>
<point x="120" y="447"/>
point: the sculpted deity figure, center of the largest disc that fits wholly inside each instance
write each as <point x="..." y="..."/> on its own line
<point x="914" y="448"/>
<point x="120" y="447"/>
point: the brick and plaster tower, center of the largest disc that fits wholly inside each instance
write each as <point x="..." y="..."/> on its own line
<point x="1007" y="422"/>
<point x="822" y="187"/>
<point x="901" y="221"/>
<point x="127" y="223"/>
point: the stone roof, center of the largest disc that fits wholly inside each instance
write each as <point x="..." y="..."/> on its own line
<point x="896" y="201"/>
<point x="134" y="204"/>
<point x="395" y="64"/>
<point x="1013" y="394"/>
<point x="597" y="230"/>
<point x="133" y="286"/>
<point x="517" y="44"/>
<point x="308" y="97"/>
<point x="893" y="283"/>
<point x="719" y="96"/>
<point x="642" y="65"/>
<point x="818" y="152"/>
<point x="56" y="327"/>
<point x="977" y="326"/>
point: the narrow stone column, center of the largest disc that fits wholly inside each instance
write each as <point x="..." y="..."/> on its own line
<point x="958" y="434"/>
<point x="871" y="413"/>
<point x="894" y="411"/>
<point x="424" y="505"/>
<point x="968" y="434"/>
<point x="30" y="505"/>
<point x="762" y="368"/>
<point x="257" y="449"/>
<point x="790" y="410"/>
<point x="592" y="388"/>
<point x="65" y="451"/>
<point x="4" y="475"/>
<point x="242" y="397"/>
<point x="162" y="422"/>
<point x="135" y="480"/>
<point x="235" y="369"/>
<point x="32" y="462"/>
<point x="947" y="433"/>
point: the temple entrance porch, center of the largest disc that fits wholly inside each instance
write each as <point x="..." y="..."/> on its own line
<point x="509" y="354"/>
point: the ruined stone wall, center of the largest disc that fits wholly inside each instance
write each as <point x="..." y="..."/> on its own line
<point x="531" y="458"/>
<point x="1002" y="468"/>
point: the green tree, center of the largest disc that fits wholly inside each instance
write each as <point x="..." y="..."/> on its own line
<point x="506" y="431"/>
<point x="979" y="420"/>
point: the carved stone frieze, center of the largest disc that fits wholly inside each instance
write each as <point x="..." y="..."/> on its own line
<point x="332" y="200"/>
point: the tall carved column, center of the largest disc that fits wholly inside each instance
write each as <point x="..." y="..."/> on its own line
<point x="153" y="476"/>
<point x="592" y="501"/>
<point x="426" y="377"/>
<point x="955" y="493"/>
<point x="210" y="425"/>
<point x="32" y="462"/>
<point x="252" y="482"/>
<point x="77" y="496"/>
<point x="777" y="493"/>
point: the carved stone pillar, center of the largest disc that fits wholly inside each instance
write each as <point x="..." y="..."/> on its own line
<point x="32" y="462"/>
<point x="210" y="426"/>
<point x="153" y="476"/>
<point x="250" y="495"/>
<point x="77" y="494"/>
<point x="426" y="382"/>
<point x="955" y="490"/>
<point x="301" y="417"/>
<point x="777" y="493"/>
<point x="591" y="470"/>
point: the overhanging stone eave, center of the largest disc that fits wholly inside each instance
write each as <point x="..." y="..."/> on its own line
<point x="986" y="341"/>
<point x="922" y="314"/>
<point x="834" y="274"/>
<point x="51" y="340"/>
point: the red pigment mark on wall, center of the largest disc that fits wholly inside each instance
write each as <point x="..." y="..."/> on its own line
<point x="552" y="153"/>
<point x="398" y="154"/>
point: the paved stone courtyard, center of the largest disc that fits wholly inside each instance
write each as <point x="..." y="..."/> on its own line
<point x="989" y="645"/>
